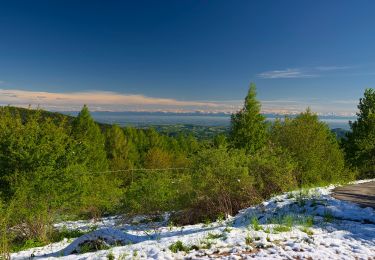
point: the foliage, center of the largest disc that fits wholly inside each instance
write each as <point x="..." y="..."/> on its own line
<point x="221" y="183"/>
<point x="53" y="165"/>
<point x="178" y="246"/>
<point x="255" y="224"/>
<point x="360" y="143"/>
<point x="248" y="126"/>
<point x="119" y="149"/>
<point x="315" y="149"/>
<point x="157" y="191"/>
<point x="273" y="170"/>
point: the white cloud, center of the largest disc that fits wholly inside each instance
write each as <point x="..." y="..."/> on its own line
<point x="301" y="73"/>
<point x="285" y="74"/>
<point x="333" y="68"/>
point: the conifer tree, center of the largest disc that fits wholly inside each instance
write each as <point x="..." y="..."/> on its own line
<point x="360" y="143"/>
<point x="99" y="188"/>
<point x="90" y="142"/>
<point x="248" y="126"/>
<point x="117" y="147"/>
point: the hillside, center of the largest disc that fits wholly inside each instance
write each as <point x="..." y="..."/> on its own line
<point x="308" y="225"/>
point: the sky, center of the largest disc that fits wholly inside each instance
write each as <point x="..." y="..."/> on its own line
<point x="185" y="56"/>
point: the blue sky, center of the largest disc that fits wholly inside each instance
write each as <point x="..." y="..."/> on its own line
<point x="187" y="55"/>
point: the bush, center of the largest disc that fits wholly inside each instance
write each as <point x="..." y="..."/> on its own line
<point x="157" y="191"/>
<point x="274" y="171"/>
<point x="313" y="147"/>
<point x="178" y="246"/>
<point x="221" y="183"/>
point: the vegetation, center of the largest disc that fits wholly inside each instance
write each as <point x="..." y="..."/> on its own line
<point x="248" y="126"/>
<point x="314" y="148"/>
<point x="55" y="167"/>
<point x="360" y="142"/>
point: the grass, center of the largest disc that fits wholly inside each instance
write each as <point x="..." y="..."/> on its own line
<point x="215" y="235"/>
<point x="281" y="229"/>
<point x="57" y="236"/>
<point x="179" y="246"/>
<point x="206" y="244"/>
<point x="92" y="246"/>
<point x="227" y="230"/>
<point x="27" y="244"/>
<point x="220" y="218"/>
<point x="307" y="231"/>
<point x="288" y="220"/>
<point x="248" y="239"/>
<point x="255" y="224"/>
<point x="308" y="222"/>
<point x="110" y="256"/>
<point x="65" y="233"/>
<point x="328" y="216"/>
<point x="267" y="230"/>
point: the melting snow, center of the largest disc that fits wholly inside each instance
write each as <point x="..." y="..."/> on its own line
<point x="341" y="230"/>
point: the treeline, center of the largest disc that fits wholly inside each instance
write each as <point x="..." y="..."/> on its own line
<point x="53" y="168"/>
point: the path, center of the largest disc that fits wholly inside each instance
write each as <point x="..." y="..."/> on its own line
<point x="363" y="193"/>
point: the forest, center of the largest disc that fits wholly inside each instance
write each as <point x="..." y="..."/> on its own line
<point x="55" y="167"/>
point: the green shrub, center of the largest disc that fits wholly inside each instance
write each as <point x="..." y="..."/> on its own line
<point x="273" y="171"/>
<point x="255" y="224"/>
<point x="248" y="239"/>
<point x="315" y="149"/>
<point x="221" y="184"/>
<point x="178" y="246"/>
<point x="154" y="192"/>
<point x="307" y="231"/>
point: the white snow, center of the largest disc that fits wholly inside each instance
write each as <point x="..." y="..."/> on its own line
<point x="341" y="230"/>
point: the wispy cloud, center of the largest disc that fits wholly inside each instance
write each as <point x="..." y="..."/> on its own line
<point x="333" y="68"/>
<point x="285" y="74"/>
<point x="309" y="72"/>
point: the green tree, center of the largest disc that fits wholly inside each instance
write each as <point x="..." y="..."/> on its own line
<point x="248" y="126"/>
<point x="314" y="147"/>
<point x="90" y="142"/>
<point x="157" y="158"/>
<point x="119" y="149"/>
<point x="100" y="189"/>
<point x="35" y="157"/>
<point x="360" y="143"/>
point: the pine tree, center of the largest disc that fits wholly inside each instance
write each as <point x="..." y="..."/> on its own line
<point x="248" y="126"/>
<point x="90" y="142"/>
<point x="99" y="188"/>
<point x="360" y="143"/>
<point x="118" y="148"/>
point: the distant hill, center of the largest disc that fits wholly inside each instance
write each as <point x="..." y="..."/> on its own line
<point x="55" y="116"/>
<point x="340" y="133"/>
<point x="199" y="131"/>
